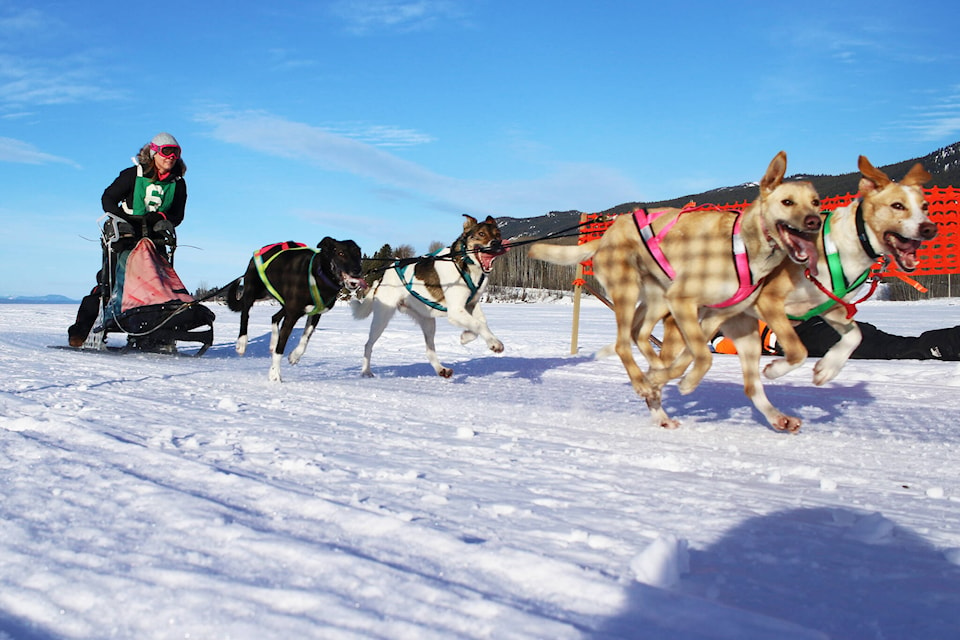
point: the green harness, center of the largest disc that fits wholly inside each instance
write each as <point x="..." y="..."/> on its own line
<point x="402" y="269"/>
<point x="838" y="280"/>
<point x="262" y="259"/>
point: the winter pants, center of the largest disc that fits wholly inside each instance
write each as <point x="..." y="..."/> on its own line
<point x="937" y="344"/>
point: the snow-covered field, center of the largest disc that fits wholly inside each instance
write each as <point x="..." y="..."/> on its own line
<point x="147" y="496"/>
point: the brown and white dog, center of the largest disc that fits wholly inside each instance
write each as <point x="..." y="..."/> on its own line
<point x="703" y="259"/>
<point x="448" y="283"/>
<point x="888" y="219"/>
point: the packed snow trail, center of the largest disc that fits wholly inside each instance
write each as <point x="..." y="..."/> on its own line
<point x="527" y="497"/>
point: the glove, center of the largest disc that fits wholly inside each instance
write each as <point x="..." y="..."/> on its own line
<point x="164" y="229"/>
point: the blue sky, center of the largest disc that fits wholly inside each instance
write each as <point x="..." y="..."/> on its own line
<point x="386" y="120"/>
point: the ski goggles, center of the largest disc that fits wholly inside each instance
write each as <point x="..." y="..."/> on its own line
<point x="167" y="150"/>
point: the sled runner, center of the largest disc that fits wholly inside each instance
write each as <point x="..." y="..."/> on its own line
<point x="142" y="296"/>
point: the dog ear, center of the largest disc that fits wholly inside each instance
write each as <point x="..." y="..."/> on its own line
<point x="326" y="243"/>
<point x="917" y="176"/>
<point x="873" y="179"/>
<point x="490" y="220"/>
<point x="469" y="223"/>
<point x="773" y="178"/>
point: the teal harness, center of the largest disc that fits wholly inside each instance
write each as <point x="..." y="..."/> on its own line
<point x="402" y="270"/>
<point x="262" y="259"/>
<point x="838" y="280"/>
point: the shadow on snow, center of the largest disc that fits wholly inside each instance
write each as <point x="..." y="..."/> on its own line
<point x="844" y="573"/>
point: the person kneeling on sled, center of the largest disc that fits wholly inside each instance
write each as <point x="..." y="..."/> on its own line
<point x="150" y="197"/>
<point x="818" y="336"/>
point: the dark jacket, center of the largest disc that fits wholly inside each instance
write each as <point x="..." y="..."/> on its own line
<point x="120" y="192"/>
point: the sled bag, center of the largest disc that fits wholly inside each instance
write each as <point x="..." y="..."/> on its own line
<point x="144" y="277"/>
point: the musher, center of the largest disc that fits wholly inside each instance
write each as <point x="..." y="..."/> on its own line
<point x="150" y="198"/>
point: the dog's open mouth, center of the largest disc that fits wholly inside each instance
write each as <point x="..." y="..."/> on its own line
<point x="904" y="250"/>
<point x="353" y="283"/>
<point x="486" y="255"/>
<point x="801" y="246"/>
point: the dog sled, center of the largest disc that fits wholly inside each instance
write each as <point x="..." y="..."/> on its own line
<point x="143" y="297"/>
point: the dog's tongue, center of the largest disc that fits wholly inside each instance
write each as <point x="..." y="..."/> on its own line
<point x="802" y="250"/>
<point x="354" y="284"/>
<point x="487" y="257"/>
<point x="905" y="252"/>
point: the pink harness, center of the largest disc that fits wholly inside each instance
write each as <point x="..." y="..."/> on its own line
<point x="652" y="240"/>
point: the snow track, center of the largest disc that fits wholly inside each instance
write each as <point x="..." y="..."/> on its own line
<point x="527" y="497"/>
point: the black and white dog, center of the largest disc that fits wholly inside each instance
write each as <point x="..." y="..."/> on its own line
<point x="304" y="281"/>
<point x="448" y="283"/>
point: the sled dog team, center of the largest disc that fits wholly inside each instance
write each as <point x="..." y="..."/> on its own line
<point x="696" y="270"/>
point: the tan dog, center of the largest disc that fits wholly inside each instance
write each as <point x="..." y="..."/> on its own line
<point x="894" y="222"/>
<point x="698" y="272"/>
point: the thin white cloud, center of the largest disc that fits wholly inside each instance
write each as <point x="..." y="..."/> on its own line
<point x="28" y="78"/>
<point x="566" y="186"/>
<point x="322" y="147"/>
<point x="20" y="21"/>
<point x="940" y="119"/>
<point x="33" y="82"/>
<point x="20" y="152"/>
<point x="384" y="136"/>
<point x="364" y="16"/>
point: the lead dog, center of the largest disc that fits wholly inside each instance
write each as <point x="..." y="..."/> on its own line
<point x="887" y="219"/>
<point x="678" y="263"/>
<point x="449" y="283"/>
<point x="304" y="281"/>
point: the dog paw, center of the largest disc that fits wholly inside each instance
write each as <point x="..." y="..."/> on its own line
<point x="496" y="346"/>
<point x="786" y="423"/>
<point x="669" y="423"/>
<point x="366" y="373"/>
<point x="274" y="376"/>
<point x="661" y="419"/>
<point x="823" y="373"/>
<point x="777" y="368"/>
<point x="445" y="372"/>
<point x="687" y="385"/>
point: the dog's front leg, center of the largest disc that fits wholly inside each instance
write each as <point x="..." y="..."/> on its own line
<point x="744" y="331"/>
<point x="275" y="358"/>
<point x="308" y="330"/>
<point x="280" y="330"/>
<point x="770" y="306"/>
<point x="474" y="324"/>
<point x="833" y="360"/>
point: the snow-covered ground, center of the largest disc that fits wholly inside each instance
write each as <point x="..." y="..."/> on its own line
<point x="148" y="496"/>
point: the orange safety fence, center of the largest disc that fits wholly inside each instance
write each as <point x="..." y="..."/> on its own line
<point x="936" y="257"/>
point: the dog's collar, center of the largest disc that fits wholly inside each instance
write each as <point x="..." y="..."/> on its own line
<point x="862" y="232"/>
<point x="330" y="282"/>
<point x="319" y="304"/>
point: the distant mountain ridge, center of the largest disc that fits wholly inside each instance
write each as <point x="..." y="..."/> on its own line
<point x="943" y="164"/>
<point x="49" y="299"/>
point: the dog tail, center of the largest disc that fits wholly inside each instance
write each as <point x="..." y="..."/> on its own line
<point x="234" y="297"/>
<point x="362" y="308"/>
<point x="564" y="253"/>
